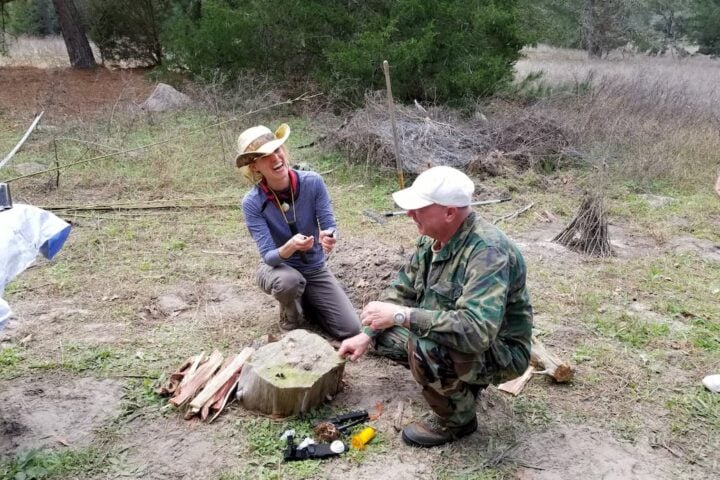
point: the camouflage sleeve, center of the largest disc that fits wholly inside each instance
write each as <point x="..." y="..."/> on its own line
<point x="402" y="289"/>
<point x="472" y="321"/>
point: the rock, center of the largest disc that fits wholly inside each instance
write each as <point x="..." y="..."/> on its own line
<point x="165" y="98"/>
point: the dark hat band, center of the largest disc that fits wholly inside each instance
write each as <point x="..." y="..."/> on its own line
<point x="259" y="142"/>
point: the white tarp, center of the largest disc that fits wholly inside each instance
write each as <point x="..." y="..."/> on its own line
<point x="26" y="231"/>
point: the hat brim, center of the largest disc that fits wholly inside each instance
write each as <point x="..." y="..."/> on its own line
<point x="408" y="199"/>
<point x="247" y="158"/>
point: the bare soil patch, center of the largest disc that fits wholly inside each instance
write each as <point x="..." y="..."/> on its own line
<point x="64" y="93"/>
<point x="562" y="452"/>
<point x="55" y="411"/>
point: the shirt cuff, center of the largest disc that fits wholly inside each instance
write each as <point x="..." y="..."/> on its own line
<point x="420" y="321"/>
<point x="273" y="258"/>
<point x="369" y="331"/>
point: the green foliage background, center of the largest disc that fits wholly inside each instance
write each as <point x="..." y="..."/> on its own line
<point x="444" y="51"/>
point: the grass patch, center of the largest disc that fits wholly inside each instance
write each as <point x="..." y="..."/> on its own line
<point x="631" y="330"/>
<point x="535" y="412"/>
<point x="39" y="465"/>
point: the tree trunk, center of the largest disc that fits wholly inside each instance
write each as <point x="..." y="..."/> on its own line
<point x="76" y="41"/>
<point x="291" y="376"/>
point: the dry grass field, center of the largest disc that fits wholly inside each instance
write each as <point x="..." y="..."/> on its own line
<point x="134" y="293"/>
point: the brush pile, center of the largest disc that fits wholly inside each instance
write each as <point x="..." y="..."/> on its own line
<point x="203" y="384"/>
<point x="588" y="232"/>
<point x="426" y="137"/>
<point x="439" y="136"/>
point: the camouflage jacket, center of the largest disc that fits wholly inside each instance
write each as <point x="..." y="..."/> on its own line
<point x="470" y="295"/>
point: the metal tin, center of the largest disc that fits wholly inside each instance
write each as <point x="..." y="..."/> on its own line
<point x="5" y="197"/>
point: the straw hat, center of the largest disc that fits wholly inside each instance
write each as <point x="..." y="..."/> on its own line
<point x="258" y="141"/>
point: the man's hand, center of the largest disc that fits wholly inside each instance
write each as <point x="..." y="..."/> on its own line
<point x="379" y="315"/>
<point x="328" y="240"/>
<point x="355" y="347"/>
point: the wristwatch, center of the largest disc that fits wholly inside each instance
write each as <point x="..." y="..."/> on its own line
<point x="399" y="317"/>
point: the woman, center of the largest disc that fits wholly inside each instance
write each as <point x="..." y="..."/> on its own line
<point x="289" y="215"/>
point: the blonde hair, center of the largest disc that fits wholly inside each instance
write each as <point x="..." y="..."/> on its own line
<point x="254" y="177"/>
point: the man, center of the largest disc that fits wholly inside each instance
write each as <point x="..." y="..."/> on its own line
<point x="458" y="315"/>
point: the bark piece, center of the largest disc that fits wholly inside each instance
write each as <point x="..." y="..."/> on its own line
<point x="231" y="366"/>
<point x="291" y="376"/>
<point x="173" y="382"/>
<point x="217" y="404"/>
<point x="550" y="364"/>
<point x="202" y="376"/>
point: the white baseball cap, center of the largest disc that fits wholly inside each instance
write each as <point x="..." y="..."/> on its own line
<point x="442" y="185"/>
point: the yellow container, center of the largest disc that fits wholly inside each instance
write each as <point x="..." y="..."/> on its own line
<point x="359" y="440"/>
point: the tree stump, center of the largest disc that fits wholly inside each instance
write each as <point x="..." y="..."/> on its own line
<point x="291" y="376"/>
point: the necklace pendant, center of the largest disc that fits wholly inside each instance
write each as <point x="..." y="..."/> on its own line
<point x="285" y="207"/>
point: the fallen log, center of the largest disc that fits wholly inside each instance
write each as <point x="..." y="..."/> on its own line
<point x="232" y="365"/>
<point x="203" y="374"/>
<point x="291" y="376"/>
<point x="549" y="364"/>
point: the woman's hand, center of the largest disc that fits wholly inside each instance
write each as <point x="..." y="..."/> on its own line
<point x="302" y="243"/>
<point x="328" y="240"/>
<point x="297" y="243"/>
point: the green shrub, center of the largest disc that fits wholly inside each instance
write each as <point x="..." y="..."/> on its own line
<point x="447" y="50"/>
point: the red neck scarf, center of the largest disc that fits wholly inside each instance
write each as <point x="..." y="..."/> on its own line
<point x="285" y="195"/>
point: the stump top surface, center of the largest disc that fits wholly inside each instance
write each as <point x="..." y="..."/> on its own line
<point x="299" y="359"/>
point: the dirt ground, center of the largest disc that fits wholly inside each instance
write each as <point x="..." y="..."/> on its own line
<point x="60" y="410"/>
<point x="68" y="94"/>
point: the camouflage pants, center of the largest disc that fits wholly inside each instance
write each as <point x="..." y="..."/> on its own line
<point x="450" y="379"/>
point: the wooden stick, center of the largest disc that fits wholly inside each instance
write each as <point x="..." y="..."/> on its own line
<point x="125" y="206"/>
<point x="515" y="386"/>
<point x="22" y="140"/>
<point x="515" y="214"/>
<point x="391" y="109"/>
<point x="219" y="380"/>
<point x="193" y="369"/>
<point x="202" y="376"/>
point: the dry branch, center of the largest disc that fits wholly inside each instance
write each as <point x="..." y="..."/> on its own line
<point x="514" y="214"/>
<point x="588" y="232"/>
<point x="22" y="140"/>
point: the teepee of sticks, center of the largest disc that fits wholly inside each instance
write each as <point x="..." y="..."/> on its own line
<point x="588" y="231"/>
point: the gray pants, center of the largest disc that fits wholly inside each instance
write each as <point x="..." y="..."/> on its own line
<point x="317" y="294"/>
